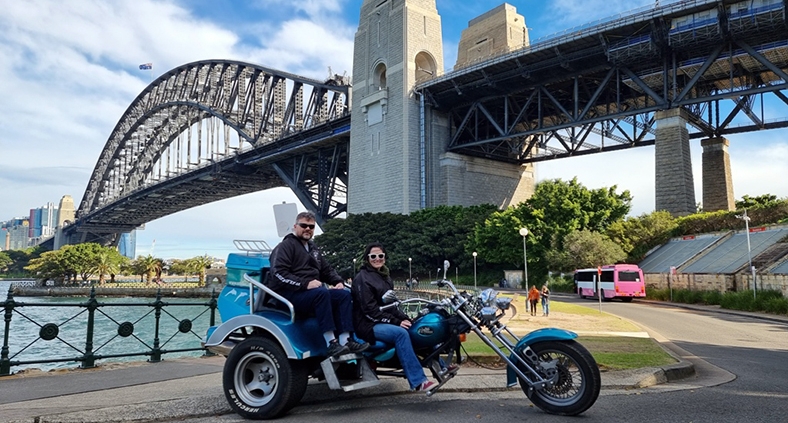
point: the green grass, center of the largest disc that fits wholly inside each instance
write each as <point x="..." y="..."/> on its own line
<point x="621" y="353"/>
<point x="610" y="352"/>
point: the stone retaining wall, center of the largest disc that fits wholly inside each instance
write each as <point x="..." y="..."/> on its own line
<point x="716" y="282"/>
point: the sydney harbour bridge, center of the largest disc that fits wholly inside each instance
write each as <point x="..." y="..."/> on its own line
<point x="215" y="129"/>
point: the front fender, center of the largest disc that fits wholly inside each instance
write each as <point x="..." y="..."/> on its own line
<point x="539" y="335"/>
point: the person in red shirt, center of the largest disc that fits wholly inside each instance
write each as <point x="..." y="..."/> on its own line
<point x="533" y="299"/>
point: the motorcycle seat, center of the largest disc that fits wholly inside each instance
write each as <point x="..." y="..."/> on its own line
<point x="378" y="350"/>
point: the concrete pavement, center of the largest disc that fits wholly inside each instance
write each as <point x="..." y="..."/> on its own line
<point x="191" y="387"/>
<point x="183" y="388"/>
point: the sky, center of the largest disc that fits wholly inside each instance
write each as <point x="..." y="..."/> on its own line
<point x="69" y="70"/>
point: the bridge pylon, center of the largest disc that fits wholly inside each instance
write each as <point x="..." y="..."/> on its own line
<point x="398" y="144"/>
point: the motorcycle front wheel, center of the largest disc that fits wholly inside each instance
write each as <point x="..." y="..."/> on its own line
<point x="575" y="376"/>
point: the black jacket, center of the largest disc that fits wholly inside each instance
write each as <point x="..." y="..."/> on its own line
<point x="292" y="267"/>
<point x="368" y="289"/>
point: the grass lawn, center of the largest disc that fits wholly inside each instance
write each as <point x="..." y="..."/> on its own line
<point x="610" y="352"/>
<point x="599" y="333"/>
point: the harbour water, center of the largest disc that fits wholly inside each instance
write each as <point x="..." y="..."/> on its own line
<point x="36" y="315"/>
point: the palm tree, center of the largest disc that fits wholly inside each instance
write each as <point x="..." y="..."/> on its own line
<point x="108" y="262"/>
<point x="148" y="266"/>
<point x="201" y="263"/>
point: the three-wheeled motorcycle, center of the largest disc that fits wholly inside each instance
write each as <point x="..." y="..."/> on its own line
<point x="272" y="352"/>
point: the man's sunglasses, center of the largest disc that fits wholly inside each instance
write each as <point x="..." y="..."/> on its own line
<point x="377" y="256"/>
<point x="307" y="225"/>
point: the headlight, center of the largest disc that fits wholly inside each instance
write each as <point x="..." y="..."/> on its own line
<point x="487" y="297"/>
<point x="503" y="303"/>
<point x="488" y="313"/>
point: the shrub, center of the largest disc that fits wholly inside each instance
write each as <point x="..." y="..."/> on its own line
<point x="741" y="300"/>
<point x="658" y="294"/>
<point x="712" y="297"/>
<point x="776" y="305"/>
<point x="561" y="284"/>
<point x="688" y="297"/>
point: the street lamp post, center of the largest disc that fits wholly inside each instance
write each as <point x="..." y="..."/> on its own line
<point x="474" y="270"/>
<point x="354" y="266"/>
<point x="524" y="232"/>
<point x="410" y="271"/>
<point x="746" y="220"/>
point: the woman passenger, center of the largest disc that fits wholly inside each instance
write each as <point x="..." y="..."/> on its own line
<point x="390" y="325"/>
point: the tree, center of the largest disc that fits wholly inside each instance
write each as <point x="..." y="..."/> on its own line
<point x="199" y="264"/>
<point x="82" y="259"/>
<point x="556" y="209"/>
<point x="180" y="267"/>
<point x="584" y="249"/>
<point x="50" y="265"/>
<point x="109" y="261"/>
<point x="637" y="235"/>
<point x="343" y="240"/>
<point x="497" y="238"/>
<point x="21" y="258"/>
<point x="147" y="266"/>
<point x="748" y="202"/>
<point x="5" y="261"/>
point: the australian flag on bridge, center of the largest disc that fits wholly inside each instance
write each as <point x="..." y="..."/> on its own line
<point x="146" y="66"/>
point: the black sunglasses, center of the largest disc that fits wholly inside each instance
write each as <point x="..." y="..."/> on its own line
<point x="307" y="225"/>
<point x="377" y="256"/>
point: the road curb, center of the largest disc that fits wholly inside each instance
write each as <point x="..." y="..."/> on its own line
<point x="665" y="374"/>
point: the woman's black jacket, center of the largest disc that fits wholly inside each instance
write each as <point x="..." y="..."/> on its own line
<point x="368" y="289"/>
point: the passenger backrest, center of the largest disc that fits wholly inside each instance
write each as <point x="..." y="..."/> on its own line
<point x="260" y="297"/>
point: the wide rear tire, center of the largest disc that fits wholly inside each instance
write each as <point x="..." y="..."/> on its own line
<point x="575" y="374"/>
<point x="259" y="381"/>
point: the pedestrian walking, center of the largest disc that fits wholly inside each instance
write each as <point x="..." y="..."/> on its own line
<point x="533" y="299"/>
<point x="545" y="300"/>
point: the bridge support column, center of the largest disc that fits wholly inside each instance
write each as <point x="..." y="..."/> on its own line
<point x="675" y="191"/>
<point x="717" y="180"/>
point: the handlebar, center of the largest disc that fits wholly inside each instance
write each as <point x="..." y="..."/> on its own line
<point x="409" y="300"/>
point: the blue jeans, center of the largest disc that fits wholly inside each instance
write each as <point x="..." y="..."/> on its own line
<point x="398" y="336"/>
<point x="545" y="307"/>
<point x="332" y="307"/>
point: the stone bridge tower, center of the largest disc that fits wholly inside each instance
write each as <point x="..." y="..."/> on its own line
<point x="398" y="158"/>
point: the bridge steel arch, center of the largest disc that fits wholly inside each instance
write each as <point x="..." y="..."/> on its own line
<point x="215" y="129"/>
<point x="597" y="89"/>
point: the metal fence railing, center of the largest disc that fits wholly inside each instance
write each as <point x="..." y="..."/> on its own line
<point x="63" y="331"/>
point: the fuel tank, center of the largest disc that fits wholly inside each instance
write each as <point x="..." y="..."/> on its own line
<point x="429" y="330"/>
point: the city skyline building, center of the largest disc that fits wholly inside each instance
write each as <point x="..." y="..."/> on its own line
<point x="14" y="234"/>
<point x="127" y="246"/>
<point x="43" y="221"/>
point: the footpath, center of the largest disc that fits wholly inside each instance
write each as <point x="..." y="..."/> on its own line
<point x="192" y="387"/>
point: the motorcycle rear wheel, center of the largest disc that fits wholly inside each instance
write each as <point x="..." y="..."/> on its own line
<point x="260" y="382"/>
<point x="577" y="383"/>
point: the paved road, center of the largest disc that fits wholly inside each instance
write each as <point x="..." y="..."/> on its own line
<point x="741" y="364"/>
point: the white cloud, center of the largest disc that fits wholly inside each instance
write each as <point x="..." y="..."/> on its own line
<point x="69" y="70"/>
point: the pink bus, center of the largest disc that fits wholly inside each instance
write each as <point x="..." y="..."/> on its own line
<point x="624" y="281"/>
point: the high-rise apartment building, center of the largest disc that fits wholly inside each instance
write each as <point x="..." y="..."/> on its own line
<point x="43" y="221"/>
<point x="14" y="234"/>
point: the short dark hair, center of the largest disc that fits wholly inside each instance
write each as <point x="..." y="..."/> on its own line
<point x="306" y="215"/>
<point x="369" y="248"/>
